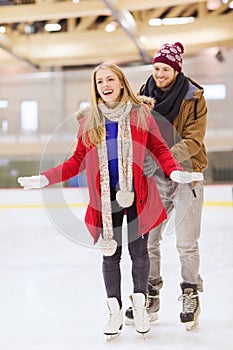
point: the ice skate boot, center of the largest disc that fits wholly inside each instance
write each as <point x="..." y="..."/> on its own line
<point x="140" y="315"/>
<point x="152" y="306"/>
<point x="153" y="302"/>
<point x="191" y="306"/>
<point x="115" y="322"/>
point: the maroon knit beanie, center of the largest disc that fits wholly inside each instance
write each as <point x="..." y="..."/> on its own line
<point x="170" y="54"/>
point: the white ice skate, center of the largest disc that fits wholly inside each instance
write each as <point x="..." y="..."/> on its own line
<point x="141" y="319"/>
<point x="152" y="307"/>
<point x="115" y="322"/>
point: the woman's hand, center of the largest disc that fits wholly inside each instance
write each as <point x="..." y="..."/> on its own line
<point x="30" y="182"/>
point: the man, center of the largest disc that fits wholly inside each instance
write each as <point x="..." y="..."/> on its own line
<point x="180" y="111"/>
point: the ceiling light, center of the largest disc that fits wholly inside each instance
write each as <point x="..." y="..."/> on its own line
<point x="143" y="39"/>
<point x="111" y="27"/>
<point x="2" y="30"/>
<point x="177" y="20"/>
<point x="155" y="22"/>
<point x="52" y="27"/>
<point x="213" y="4"/>
<point x="170" y="21"/>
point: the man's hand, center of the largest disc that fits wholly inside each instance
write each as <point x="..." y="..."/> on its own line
<point x="150" y="166"/>
<point x="184" y="177"/>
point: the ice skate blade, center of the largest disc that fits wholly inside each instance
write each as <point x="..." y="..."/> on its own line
<point x="189" y="326"/>
<point x="110" y="337"/>
<point x="143" y="334"/>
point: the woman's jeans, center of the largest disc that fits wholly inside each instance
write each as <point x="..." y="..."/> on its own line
<point x="137" y="247"/>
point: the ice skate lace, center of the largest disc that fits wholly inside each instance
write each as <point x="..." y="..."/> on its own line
<point x="141" y="314"/>
<point x="189" y="302"/>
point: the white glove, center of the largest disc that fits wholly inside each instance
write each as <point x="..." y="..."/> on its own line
<point x="184" y="177"/>
<point x="149" y="166"/>
<point x="38" y="181"/>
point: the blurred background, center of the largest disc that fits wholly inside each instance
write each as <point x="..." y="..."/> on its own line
<point x="49" y="48"/>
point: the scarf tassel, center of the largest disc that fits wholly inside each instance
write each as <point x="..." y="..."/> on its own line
<point x="108" y="247"/>
<point x="125" y="198"/>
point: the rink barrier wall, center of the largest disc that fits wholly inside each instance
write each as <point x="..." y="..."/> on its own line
<point x="214" y="195"/>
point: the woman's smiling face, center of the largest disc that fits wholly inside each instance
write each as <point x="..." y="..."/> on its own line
<point x="108" y="86"/>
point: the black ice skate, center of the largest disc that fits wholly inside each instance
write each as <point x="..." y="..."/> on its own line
<point x="152" y="307"/>
<point x="191" y="306"/>
<point x="153" y="302"/>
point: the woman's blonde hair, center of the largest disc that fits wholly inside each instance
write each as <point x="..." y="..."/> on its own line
<point x="93" y="130"/>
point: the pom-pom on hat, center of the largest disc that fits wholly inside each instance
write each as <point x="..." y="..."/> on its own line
<point x="170" y="54"/>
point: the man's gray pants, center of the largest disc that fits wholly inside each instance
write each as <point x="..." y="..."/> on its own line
<point x="187" y="202"/>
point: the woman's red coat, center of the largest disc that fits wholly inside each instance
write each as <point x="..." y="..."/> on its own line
<point x="150" y="209"/>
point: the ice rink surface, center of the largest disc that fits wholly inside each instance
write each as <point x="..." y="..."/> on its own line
<point x="52" y="295"/>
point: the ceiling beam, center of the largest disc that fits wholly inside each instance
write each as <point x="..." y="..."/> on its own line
<point x="128" y="24"/>
<point x="78" y="48"/>
<point x="47" y="11"/>
<point x="87" y="43"/>
<point x="64" y="9"/>
<point x="6" y="45"/>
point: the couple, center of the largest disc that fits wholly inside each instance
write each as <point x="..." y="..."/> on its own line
<point x="122" y="146"/>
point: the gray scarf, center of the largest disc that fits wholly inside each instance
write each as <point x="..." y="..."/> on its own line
<point x="125" y="195"/>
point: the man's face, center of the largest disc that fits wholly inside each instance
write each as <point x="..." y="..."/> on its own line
<point x="164" y="76"/>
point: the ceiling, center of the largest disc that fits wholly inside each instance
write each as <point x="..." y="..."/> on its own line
<point x="83" y="40"/>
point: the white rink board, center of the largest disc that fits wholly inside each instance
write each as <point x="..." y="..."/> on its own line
<point x="215" y="193"/>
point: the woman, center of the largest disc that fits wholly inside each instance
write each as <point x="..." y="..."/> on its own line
<point x="114" y="136"/>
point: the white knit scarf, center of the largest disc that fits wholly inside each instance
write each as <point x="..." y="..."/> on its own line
<point x="125" y="196"/>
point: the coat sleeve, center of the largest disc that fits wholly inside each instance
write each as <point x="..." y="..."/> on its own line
<point x="193" y="132"/>
<point x="160" y="150"/>
<point x="70" y="167"/>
